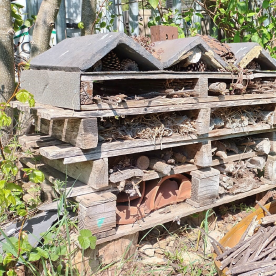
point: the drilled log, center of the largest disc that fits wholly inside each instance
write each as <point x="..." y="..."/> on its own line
<point x="179" y="157"/>
<point x="218" y="87"/>
<point x="125" y="174"/>
<point x="160" y="166"/>
<point x="142" y="162"/>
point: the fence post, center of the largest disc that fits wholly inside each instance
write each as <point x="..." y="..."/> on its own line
<point x="133" y="17"/>
<point x="61" y="22"/>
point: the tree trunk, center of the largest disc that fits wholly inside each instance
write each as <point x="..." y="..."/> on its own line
<point x="6" y="52"/>
<point x="88" y="16"/>
<point x="7" y="82"/>
<point x="43" y="26"/>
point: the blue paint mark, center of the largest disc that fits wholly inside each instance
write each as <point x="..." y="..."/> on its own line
<point x="100" y="222"/>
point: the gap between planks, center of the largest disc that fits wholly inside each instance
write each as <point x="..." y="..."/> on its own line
<point x="190" y="167"/>
<point x="177" y="211"/>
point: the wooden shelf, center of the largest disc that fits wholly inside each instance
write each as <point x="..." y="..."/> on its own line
<point x="142" y="145"/>
<point x="180" y="103"/>
<point x="177" y="211"/>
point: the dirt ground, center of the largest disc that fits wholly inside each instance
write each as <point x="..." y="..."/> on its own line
<point x="178" y="248"/>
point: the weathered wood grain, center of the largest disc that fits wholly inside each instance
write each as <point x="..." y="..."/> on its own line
<point x="50" y="113"/>
<point x="72" y="188"/>
<point x="82" y="133"/>
<point x="92" y="173"/>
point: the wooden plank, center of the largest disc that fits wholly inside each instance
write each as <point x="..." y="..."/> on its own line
<point x="73" y="187"/>
<point x="82" y="133"/>
<point x="92" y="173"/>
<point x="60" y="151"/>
<point x="53" y="114"/>
<point x="203" y="121"/>
<point x="157" y="75"/>
<point x="177" y="101"/>
<point x="180" y="210"/>
<point x="142" y="145"/>
<point x="35" y="141"/>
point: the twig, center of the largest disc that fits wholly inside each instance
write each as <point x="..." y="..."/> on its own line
<point x="264" y="209"/>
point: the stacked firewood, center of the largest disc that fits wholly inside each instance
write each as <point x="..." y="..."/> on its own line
<point x="256" y="251"/>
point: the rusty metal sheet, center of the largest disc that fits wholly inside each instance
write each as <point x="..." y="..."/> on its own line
<point x="172" y="51"/>
<point x="247" y="51"/>
<point x="80" y="53"/>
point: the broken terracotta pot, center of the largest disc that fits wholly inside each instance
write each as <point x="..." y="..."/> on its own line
<point x="128" y="208"/>
<point x="169" y="190"/>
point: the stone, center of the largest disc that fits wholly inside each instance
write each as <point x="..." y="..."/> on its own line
<point x="154" y="261"/>
<point x="190" y="257"/>
<point x="161" y="244"/>
<point x="159" y="251"/>
<point x="147" y="249"/>
<point x="170" y="238"/>
<point x="32" y="189"/>
<point x="215" y="234"/>
<point x="171" y="244"/>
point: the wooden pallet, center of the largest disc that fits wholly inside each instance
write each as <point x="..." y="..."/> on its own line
<point x="68" y="143"/>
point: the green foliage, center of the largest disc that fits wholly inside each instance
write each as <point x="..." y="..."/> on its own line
<point x="173" y="18"/>
<point x="86" y="239"/>
<point x="242" y="23"/>
<point x="16" y="15"/>
<point x="24" y="96"/>
<point x="103" y="21"/>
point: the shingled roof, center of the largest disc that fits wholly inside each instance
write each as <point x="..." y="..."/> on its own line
<point x="78" y="54"/>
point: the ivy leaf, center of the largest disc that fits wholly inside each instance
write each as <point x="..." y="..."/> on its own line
<point x="85" y="233"/>
<point x="9" y="258"/>
<point x="54" y="257"/>
<point x="21" y="212"/>
<point x="11" y="199"/>
<point x="61" y="250"/>
<point x="93" y="241"/>
<point x="14" y="187"/>
<point x="31" y="102"/>
<point x="84" y="242"/>
<point x="255" y="38"/>
<point x="80" y="25"/>
<point x="36" y="176"/>
<point x="154" y="3"/>
<point x="34" y="257"/>
<point x="2" y="270"/>
<point x="242" y="8"/>
<point x="102" y="25"/>
<point x="266" y="4"/>
<point x="42" y="253"/>
<point x="22" y="95"/>
<point x="11" y="272"/>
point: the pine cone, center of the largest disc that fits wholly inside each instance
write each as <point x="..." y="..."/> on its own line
<point x="129" y="65"/>
<point x="97" y="67"/>
<point x="253" y="65"/>
<point x="111" y="62"/>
